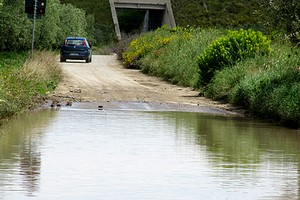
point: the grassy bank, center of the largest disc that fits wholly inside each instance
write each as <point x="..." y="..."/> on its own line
<point x="265" y="80"/>
<point x="171" y="54"/>
<point x="268" y="86"/>
<point x="25" y="81"/>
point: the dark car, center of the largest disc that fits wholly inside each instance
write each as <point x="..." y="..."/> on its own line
<point x="76" y="48"/>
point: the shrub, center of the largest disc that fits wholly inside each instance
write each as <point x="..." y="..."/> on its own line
<point x="283" y="104"/>
<point x="15" y="29"/>
<point x="223" y="82"/>
<point x="170" y="53"/>
<point x="268" y="86"/>
<point x="283" y="18"/>
<point x="122" y="45"/>
<point x="229" y="49"/>
<point x="271" y="95"/>
<point x="176" y="62"/>
<point x="146" y="43"/>
<point x="60" y="21"/>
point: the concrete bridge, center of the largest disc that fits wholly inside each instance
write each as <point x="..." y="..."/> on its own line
<point x="158" y="13"/>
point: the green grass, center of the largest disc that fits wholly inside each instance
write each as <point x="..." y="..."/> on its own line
<point x="12" y="59"/>
<point x="268" y="85"/>
<point x="24" y="82"/>
<point x="177" y="62"/>
<point x="171" y="53"/>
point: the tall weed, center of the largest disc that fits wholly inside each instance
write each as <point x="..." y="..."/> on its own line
<point x="22" y="87"/>
<point x="177" y="61"/>
<point x="270" y="91"/>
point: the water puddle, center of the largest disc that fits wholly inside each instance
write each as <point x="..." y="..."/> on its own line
<point x="79" y="153"/>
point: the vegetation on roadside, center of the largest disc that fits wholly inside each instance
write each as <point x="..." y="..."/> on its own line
<point x="170" y="53"/>
<point x="25" y="81"/>
<point x="276" y="17"/>
<point x="234" y="66"/>
<point x="60" y="21"/>
<point x="230" y="49"/>
<point x="93" y="20"/>
<point x="268" y="86"/>
<point x="99" y="11"/>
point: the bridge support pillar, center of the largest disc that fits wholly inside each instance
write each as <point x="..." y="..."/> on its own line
<point x="159" y="9"/>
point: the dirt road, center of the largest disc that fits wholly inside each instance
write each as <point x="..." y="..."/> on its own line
<point x="106" y="82"/>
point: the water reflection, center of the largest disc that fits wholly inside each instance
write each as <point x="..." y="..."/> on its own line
<point x="30" y="164"/>
<point x="91" y="154"/>
<point x="20" y="158"/>
<point x="249" y="154"/>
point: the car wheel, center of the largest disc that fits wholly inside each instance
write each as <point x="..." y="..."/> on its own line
<point x="89" y="59"/>
<point x="62" y="59"/>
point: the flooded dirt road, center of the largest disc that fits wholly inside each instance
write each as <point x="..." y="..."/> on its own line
<point x="86" y="154"/>
<point x="107" y="82"/>
<point x="122" y="143"/>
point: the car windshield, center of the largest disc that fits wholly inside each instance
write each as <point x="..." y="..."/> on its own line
<point x="75" y="42"/>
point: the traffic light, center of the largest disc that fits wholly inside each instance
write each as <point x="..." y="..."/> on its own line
<point x="29" y="7"/>
<point x="40" y="7"/>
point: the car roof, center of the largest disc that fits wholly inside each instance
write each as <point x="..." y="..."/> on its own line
<point x="74" y="38"/>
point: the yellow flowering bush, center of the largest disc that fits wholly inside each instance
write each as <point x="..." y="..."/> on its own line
<point x="145" y="44"/>
<point x="231" y="48"/>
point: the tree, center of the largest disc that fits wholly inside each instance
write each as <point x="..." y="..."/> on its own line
<point x="59" y="22"/>
<point x="283" y="16"/>
<point x="15" y="27"/>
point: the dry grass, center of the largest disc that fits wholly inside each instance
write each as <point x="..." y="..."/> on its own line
<point x="23" y="87"/>
<point x="42" y="66"/>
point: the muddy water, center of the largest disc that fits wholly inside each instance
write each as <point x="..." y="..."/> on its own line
<point x="91" y="154"/>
